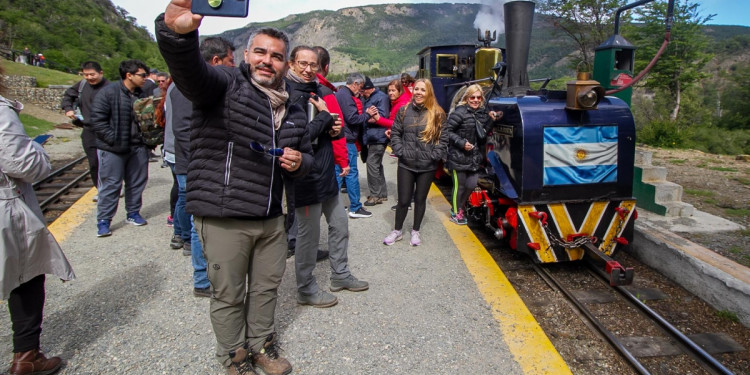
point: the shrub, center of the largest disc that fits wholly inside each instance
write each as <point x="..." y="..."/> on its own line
<point x="663" y="133"/>
<point x="720" y="141"/>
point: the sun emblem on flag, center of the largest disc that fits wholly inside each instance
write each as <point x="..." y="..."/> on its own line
<point x="581" y="154"/>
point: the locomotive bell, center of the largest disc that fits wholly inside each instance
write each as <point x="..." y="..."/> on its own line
<point x="583" y="93"/>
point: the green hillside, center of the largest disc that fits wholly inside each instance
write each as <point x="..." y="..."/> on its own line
<point x="69" y="32"/>
<point x="378" y="39"/>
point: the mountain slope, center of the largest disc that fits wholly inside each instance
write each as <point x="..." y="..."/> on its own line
<point x="69" y="32"/>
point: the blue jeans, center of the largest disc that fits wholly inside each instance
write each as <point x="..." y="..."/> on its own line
<point x="200" y="279"/>
<point x="180" y="215"/>
<point x="352" y="179"/>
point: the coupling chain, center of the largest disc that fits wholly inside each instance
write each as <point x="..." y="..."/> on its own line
<point x="556" y="240"/>
<point x="618" y="228"/>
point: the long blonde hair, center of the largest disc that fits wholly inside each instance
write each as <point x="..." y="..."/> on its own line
<point x="435" y="114"/>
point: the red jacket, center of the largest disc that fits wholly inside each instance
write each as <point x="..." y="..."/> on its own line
<point x="395" y="106"/>
<point x="340" y="155"/>
<point x="358" y="103"/>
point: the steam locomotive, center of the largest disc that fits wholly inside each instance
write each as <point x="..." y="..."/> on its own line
<point x="559" y="176"/>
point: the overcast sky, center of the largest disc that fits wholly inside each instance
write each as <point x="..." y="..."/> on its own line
<point x="728" y="12"/>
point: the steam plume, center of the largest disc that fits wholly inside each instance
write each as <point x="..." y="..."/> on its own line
<point x="490" y="17"/>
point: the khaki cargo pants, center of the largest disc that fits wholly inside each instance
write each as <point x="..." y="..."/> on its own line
<point x="246" y="260"/>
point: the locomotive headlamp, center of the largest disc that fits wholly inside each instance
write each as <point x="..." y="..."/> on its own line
<point x="583" y="93"/>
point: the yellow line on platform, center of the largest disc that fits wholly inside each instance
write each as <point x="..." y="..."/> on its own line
<point x="528" y="344"/>
<point x="73" y="216"/>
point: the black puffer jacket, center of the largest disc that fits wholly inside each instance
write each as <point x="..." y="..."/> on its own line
<point x="461" y="127"/>
<point x="406" y="133"/>
<point x="226" y="178"/>
<point x="320" y="184"/>
<point x="112" y="118"/>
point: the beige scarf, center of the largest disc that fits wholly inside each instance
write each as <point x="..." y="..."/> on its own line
<point x="294" y="77"/>
<point x="278" y="98"/>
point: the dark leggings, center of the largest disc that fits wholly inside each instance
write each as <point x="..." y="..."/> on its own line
<point x="26" y="304"/>
<point x="464" y="183"/>
<point x="405" y="182"/>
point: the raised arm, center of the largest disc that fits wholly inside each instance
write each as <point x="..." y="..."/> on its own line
<point x="177" y="37"/>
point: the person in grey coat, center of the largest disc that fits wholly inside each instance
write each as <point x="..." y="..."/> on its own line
<point x="28" y="250"/>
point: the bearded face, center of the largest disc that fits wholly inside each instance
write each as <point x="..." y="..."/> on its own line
<point x="266" y="58"/>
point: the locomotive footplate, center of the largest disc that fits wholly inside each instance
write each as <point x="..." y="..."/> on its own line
<point x="618" y="275"/>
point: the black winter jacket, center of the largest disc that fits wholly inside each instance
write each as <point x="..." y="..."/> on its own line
<point x="226" y="178"/>
<point x="86" y="99"/>
<point x="462" y="127"/>
<point x="406" y="133"/>
<point x="112" y="118"/>
<point x="320" y="184"/>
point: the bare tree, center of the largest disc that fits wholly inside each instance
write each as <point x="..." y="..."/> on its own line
<point x="587" y="22"/>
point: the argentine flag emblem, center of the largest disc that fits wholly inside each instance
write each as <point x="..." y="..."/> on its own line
<point x="580" y="155"/>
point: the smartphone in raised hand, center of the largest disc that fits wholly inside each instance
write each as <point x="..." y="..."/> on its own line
<point x="220" y="8"/>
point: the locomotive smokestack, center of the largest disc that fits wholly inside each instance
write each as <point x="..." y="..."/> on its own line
<point x="519" y="17"/>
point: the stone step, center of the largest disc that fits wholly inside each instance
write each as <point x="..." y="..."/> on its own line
<point x="654" y="174"/>
<point x="666" y="192"/>
<point x="643" y="158"/>
<point x="678" y="209"/>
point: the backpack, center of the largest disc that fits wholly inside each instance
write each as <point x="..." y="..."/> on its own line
<point x="151" y="132"/>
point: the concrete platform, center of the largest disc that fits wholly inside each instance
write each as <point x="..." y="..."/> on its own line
<point x="441" y="308"/>
<point x="721" y="282"/>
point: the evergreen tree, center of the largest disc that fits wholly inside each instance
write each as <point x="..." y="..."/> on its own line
<point x="681" y="66"/>
<point x="735" y="113"/>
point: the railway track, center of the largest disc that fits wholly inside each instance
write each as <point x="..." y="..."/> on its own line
<point x="643" y="344"/>
<point x="63" y="187"/>
<point x="632" y="347"/>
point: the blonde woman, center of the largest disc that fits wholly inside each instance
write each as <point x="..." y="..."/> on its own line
<point x="419" y="143"/>
<point x="464" y="155"/>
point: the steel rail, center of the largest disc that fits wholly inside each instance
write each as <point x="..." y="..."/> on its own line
<point x="697" y="352"/>
<point x="52" y="198"/>
<point x="58" y="172"/>
<point x="613" y="341"/>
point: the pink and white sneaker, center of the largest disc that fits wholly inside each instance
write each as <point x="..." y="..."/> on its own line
<point x="415" y="240"/>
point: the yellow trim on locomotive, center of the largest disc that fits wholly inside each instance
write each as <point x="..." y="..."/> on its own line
<point x="565" y="227"/>
<point x="544" y="254"/>
<point x="620" y="222"/>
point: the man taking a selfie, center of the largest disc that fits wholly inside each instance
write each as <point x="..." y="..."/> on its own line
<point x="244" y="115"/>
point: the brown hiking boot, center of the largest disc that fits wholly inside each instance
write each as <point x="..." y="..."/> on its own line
<point x="33" y="362"/>
<point x="268" y="358"/>
<point x="241" y="364"/>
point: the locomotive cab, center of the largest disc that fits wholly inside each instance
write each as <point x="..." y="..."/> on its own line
<point x="450" y="67"/>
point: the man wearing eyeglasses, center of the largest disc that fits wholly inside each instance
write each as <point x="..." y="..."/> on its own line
<point x="247" y="142"/>
<point x="317" y="193"/>
<point x="122" y="154"/>
<point x="161" y="84"/>
<point x="76" y="102"/>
